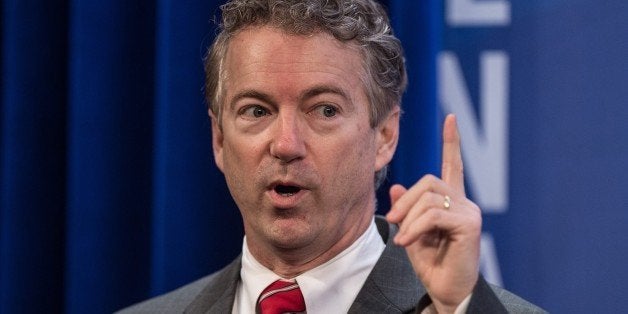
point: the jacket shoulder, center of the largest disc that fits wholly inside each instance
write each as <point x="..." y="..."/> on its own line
<point x="178" y="300"/>
<point x="514" y="303"/>
<point x="488" y="298"/>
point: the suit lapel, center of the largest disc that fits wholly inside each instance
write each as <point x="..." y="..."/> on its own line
<point x="392" y="285"/>
<point x="218" y="296"/>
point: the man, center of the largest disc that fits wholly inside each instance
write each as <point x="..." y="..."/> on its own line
<point x="305" y="103"/>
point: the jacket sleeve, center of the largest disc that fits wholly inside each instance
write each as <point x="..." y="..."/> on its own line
<point x="483" y="300"/>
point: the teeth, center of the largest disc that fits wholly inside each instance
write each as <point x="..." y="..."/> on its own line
<point x="287" y="194"/>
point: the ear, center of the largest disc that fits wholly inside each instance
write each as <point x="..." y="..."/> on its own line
<point x="386" y="138"/>
<point x="217" y="140"/>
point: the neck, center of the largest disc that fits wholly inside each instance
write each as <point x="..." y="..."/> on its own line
<point x="289" y="263"/>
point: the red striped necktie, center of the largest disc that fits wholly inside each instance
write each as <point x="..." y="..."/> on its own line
<point x="281" y="296"/>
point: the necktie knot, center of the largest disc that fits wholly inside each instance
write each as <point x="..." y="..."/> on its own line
<point x="281" y="296"/>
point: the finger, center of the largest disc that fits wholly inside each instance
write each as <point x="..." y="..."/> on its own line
<point x="396" y="192"/>
<point x="432" y="220"/>
<point x="428" y="200"/>
<point x="452" y="168"/>
<point x="408" y="198"/>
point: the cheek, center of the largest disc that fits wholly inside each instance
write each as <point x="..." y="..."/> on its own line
<point x="362" y="145"/>
<point x="242" y="150"/>
<point x="353" y="160"/>
<point x="241" y="170"/>
<point x="240" y="161"/>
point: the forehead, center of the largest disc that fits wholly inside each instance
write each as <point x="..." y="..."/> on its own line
<point x="264" y="52"/>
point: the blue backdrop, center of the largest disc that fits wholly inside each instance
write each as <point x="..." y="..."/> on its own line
<point x="109" y="194"/>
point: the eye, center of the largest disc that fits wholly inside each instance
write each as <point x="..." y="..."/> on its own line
<point x="327" y="111"/>
<point x="255" y="111"/>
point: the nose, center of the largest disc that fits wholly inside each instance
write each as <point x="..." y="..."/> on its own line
<point x="288" y="143"/>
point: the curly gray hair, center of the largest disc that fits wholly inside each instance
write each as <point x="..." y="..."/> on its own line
<point x="363" y="23"/>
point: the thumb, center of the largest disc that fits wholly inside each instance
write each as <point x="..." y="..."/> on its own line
<point x="396" y="191"/>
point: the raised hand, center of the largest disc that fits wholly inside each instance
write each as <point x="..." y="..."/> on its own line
<point x="440" y="228"/>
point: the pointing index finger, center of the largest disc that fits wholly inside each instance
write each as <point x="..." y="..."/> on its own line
<point x="452" y="168"/>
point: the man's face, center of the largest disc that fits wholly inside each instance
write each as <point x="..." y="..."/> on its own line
<point x="295" y="146"/>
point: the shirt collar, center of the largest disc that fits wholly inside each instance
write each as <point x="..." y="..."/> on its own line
<point x="339" y="279"/>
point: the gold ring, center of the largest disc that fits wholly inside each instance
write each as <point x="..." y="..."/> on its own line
<point x="447" y="202"/>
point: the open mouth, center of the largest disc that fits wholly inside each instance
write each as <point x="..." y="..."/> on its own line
<point x="286" y="190"/>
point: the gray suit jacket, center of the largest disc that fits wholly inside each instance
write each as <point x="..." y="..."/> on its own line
<point x="391" y="287"/>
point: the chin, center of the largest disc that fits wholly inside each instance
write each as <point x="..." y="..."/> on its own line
<point x="290" y="235"/>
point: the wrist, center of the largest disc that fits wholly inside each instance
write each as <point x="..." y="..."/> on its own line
<point x="453" y="309"/>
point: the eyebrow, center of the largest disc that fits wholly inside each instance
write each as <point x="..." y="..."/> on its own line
<point x="308" y="93"/>
<point x="251" y="93"/>
<point x="324" y="89"/>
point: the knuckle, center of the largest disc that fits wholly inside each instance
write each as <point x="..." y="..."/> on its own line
<point x="474" y="208"/>
<point x="430" y="179"/>
<point x="431" y="198"/>
<point x="475" y="217"/>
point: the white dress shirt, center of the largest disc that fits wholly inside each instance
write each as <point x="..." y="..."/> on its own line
<point x="329" y="288"/>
